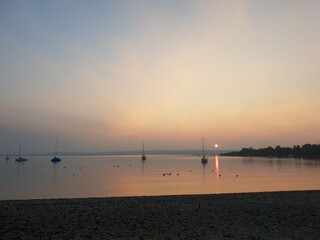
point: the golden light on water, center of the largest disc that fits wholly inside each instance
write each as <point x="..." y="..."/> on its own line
<point x="216" y="158"/>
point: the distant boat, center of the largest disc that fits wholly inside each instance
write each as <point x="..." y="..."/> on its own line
<point x="56" y="159"/>
<point x="7" y="157"/>
<point x="20" y="159"/>
<point x="204" y="159"/>
<point x="143" y="157"/>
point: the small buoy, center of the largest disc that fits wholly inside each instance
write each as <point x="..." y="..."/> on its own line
<point x="177" y="174"/>
<point x="237" y="175"/>
<point x="219" y="175"/>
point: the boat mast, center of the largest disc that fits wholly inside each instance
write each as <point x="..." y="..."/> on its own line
<point x="142" y="148"/>
<point x="19" y="151"/>
<point x="56" y="146"/>
<point x="202" y="147"/>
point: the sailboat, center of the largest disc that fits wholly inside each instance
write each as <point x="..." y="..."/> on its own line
<point x="56" y="159"/>
<point x="204" y="159"/>
<point x="20" y="159"/>
<point x="7" y="157"/>
<point x="143" y="157"/>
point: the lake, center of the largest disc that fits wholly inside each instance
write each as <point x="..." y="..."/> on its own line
<point x="128" y="175"/>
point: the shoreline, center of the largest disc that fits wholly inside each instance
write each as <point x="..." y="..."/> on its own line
<point x="153" y="196"/>
<point x="263" y="215"/>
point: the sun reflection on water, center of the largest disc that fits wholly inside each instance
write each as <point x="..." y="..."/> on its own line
<point x="216" y="158"/>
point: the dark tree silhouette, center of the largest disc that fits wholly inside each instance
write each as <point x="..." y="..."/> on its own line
<point x="306" y="151"/>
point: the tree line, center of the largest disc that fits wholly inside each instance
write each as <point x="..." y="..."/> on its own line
<point x="306" y="150"/>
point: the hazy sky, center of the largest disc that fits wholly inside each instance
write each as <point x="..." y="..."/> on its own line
<point x="104" y="75"/>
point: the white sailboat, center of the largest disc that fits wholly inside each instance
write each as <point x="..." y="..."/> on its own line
<point x="204" y="159"/>
<point x="56" y="159"/>
<point x="143" y="156"/>
<point x="20" y="159"/>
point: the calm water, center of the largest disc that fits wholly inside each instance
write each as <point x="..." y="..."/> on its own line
<point x="105" y="176"/>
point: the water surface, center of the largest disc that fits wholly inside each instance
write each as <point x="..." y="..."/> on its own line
<point x="106" y="176"/>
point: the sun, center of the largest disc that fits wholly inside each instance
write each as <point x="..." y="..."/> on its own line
<point x="216" y="145"/>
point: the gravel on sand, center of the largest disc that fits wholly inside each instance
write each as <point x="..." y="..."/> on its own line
<point x="266" y="215"/>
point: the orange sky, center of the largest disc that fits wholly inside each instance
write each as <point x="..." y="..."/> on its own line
<point x="105" y="76"/>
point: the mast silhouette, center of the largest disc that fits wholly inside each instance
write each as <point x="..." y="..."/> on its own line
<point x="7" y="157"/>
<point x="56" y="159"/>
<point x="143" y="157"/>
<point x="20" y="159"/>
<point x="204" y="159"/>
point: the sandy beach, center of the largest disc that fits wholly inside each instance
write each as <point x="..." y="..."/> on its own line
<point x="276" y="215"/>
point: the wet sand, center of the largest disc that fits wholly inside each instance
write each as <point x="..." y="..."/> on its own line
<point x="276" y="215"/>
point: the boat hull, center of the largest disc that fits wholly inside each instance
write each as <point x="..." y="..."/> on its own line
<point x="55" y="159"/>
<point x="204" y="160"/>
<point x="20" y="159"/>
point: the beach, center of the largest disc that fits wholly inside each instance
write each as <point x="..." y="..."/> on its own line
<point x="266" y="215"/>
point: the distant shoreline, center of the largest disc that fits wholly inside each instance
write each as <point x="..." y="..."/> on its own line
<point x="265" y="215"/>
<point x="305" y="151"/>
<point x="133" y="152"/>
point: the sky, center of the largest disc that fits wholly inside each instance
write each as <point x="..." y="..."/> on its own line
<point x="107" y="75"/>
